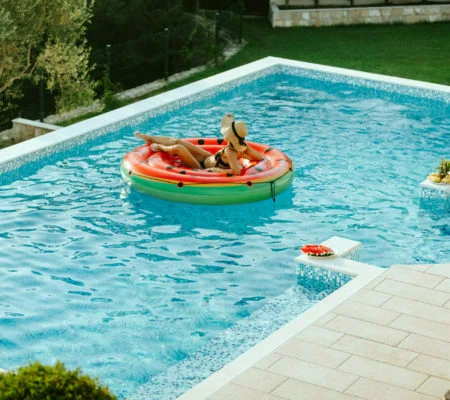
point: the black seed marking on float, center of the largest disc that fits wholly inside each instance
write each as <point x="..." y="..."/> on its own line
<point x="201" y="141"/>
<point x="228" y="174"/>
<point x="259" y="169"/>
<point x="130" y="172"/>
<point x="220" y="141"/>
<point x="249" y="183"/>
<point x="169" y="167"/>
<point x="180" y="184"/>
<point x="269" y="149"/>
<point x="183" y="172"/>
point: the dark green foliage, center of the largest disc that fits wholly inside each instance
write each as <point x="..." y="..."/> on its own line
<point x="117" y="21"/>
<point x="39" y="382"/>
<point x="139" y="45"/>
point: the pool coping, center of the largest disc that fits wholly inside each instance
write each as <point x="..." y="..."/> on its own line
<point x="62" y="135"/>
<point x="362" y="275"/>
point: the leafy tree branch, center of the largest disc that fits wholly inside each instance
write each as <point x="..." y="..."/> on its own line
<point x="46" y="37"/>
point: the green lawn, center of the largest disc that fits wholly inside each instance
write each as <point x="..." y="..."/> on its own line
<point x="419" y="51"/>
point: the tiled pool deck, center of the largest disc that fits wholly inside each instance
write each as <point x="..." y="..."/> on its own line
<point x="389" y="340"/>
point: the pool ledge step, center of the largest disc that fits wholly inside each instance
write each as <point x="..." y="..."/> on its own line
<point x="362" y="274"/>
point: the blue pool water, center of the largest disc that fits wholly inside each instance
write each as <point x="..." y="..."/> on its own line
<point x="125" y="286"/>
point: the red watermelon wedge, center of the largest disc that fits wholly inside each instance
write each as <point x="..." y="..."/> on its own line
<point x="317" y="250"/>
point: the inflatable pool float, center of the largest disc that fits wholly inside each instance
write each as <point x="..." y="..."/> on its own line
<point x="161" y="175"/>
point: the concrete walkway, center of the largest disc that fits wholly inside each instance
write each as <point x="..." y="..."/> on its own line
<point x="391" y="340"/>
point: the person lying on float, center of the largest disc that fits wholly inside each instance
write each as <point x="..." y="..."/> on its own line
<point x="225" y="160"/>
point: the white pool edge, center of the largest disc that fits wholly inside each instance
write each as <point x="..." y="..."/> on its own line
<point x="64" y="134"/>
<point x="363" y="274"/>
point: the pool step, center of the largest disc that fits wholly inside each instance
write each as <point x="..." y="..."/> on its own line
<point x="342" y="247"/>
<point x="431" y="190"/>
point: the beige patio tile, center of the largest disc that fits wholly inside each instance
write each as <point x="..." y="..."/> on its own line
<point x="383" y="372"/>
<point x="375" y="282"/>
<point x="364" y="312"/>
<point x="413" y="267"/>
<point x="372" y="390"/>
<point x="319" y="335"/>
<point x="259" y="380"/>
<point x="326" y="318"/>
<point x="432" y="366"/>
<point x="236" y="392"/>
<point x="370" y="297"/>
<point x="367" y="330"/>
<point x="440" y="269"/>
<point x="413" y="277"/>
<point x="447" y="305"/>
<point x="422" y="327"/>
<point x="267" y="361"/>
<point x="295" y="390"/>
<point x="313" y="353"/>
<point x="435" y="387"/>
<point x="418" y="309"/>
<point x="414" y="292"/>
<point x="426" y="345"/>
<point x="311" y="373"/>
<point x="374" y="350"/>
<point x="444" y="286"/>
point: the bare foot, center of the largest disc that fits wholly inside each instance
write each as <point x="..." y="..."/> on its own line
<point x="140" y="135"/>
<point x="156" y="147"/>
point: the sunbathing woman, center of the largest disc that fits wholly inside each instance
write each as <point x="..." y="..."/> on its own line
<point x="225" y="160"/>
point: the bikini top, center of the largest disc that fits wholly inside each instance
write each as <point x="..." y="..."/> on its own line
<point x="218" y="156"/>
<point x="219" y="161"/>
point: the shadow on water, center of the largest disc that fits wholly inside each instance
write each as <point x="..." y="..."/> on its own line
<point x="236" y="219"/>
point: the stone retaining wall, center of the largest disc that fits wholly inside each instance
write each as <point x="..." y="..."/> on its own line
<point x="358" y="15"/>
<point x="24" y="129"/>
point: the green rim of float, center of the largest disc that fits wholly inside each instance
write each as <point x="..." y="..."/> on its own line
<point x="156" y="174"/>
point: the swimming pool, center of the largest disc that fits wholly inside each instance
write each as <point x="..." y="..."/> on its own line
<point x="131" y="285"/>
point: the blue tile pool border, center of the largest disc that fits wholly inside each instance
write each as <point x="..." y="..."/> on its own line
<point x="246" y="333"/>
<point x="15" y="156"/>
<point x="362" y="275"/>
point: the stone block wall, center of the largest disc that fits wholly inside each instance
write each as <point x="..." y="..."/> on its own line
<point x="358" y="15"/>
<point x="24" y="129"/>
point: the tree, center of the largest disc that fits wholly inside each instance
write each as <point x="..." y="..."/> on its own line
<point x="135" y="29"/>
<point x="46" y="38"/>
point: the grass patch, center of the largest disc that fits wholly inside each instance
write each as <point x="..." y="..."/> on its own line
<point x="418" y="51"/>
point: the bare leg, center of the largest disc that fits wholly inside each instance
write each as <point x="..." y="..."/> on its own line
<point x="179" y="150"/>
<point x="197" y="152"/>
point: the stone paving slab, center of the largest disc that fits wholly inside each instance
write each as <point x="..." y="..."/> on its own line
<point x="390" y="340"/>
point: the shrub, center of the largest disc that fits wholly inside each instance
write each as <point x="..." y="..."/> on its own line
<point x="40" y="382"/>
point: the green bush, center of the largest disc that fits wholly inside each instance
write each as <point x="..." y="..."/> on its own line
<point x="41" y="382"/>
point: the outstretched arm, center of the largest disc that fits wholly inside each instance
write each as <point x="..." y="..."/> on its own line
<point x="233" y="161"/>
<point x="253" y="154"/>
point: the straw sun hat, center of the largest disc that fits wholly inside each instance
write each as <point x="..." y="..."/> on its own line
<point x="234" y="132"/>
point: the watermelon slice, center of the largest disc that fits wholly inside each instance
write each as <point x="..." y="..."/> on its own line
<point x="317" y="250"/>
